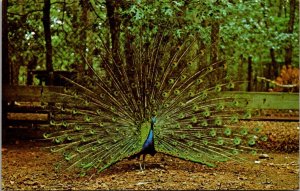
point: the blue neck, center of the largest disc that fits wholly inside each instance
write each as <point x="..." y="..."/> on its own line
<point x="150" y="139"/>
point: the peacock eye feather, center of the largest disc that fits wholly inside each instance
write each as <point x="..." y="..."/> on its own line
<point x="189" y="126"/>
<point x="87" y="118"/>
<point x="181" y="116"/>
<point x="235" y="152"/>
<point x="46" y="135"/>
<point x="218" y="88"/>
<point x="220" y="107"/>
<point x="234" y="119"/>
<point x="257" y="129"/>
<point x="264" y="138"/>
<point x="199" y="81"/>
<point x="237" y="141"/>
<point x="204" y="94"/>
<point x="177" y="92"/>
<point x="251" y="142"/>
<point x="220" y="141"/>
<point x="52" y="122"/>
<point x="227" y="131"/>
<point x="213" y="132"/>
<point x="230" y="85"/>
<point x="206" y="112"/>
<point x="133" y="85"/>
<point x="247" y="115"/>
<point x="181" y="104"/>
<point x="210" y="69"/>
<point x="157" y="84"/>
<point x="191" y="94"/>
<point x="77" y="127"/>
<point x="57" y="140"/>
<point x="68" y="156"/>
<point x="64" y="123"/>
<point x="218" y="121"/>
<point x="86" y="102"/>
<point x="83" y="139"/>
<point x="196" y="107"/>
<point x="183" y="77"/>
<point x="171" y="81"/>
<point x="244" y="132"/>
<point x="74" y="112"/>
<point x="205" y="142"/>
<point x="174" y="65"/>
<point x="198" y="135"/>
<point x="166" y="105"/>
<point x="102" y="95"/>
<point x="204" y="123"/>
<point x="99" y="112"/>
<point x="194" y="119"/>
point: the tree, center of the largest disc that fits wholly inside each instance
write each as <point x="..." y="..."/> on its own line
<point x="5" y="65"/>
<point x="290" y="30"/>
<point x="229" y="30"/>
<point x="47" y="32"/>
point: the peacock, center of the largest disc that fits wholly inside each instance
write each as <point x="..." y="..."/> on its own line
<point x="162" y="97"/>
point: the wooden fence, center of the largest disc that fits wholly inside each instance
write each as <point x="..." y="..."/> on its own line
<point x="13" y="95"/>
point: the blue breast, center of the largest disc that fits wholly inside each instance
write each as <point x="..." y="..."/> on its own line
<point x="149" y="140"/>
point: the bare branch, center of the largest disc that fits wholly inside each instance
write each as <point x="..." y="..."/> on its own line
<point x="277" y="84"/>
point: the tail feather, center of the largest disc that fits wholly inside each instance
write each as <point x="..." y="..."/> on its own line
<point x="105" y="118"/>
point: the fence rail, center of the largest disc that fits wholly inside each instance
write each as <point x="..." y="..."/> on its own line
<point x="17" y="114"/>
<point x="256" y="100"/>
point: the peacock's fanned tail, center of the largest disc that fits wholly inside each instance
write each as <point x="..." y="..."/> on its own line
<point x="105" y="117"/>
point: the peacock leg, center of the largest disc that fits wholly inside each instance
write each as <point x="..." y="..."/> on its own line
<point x="142" y="164"/>
<point x="144" y="157"/>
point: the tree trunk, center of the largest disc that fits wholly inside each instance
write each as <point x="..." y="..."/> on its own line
<point x="273" y="63"/>
<point x="6" y="77"/>
<point x="5" y="67"/>
<point x="280" y="8"/>
<point x="290" y="30"/>
<point x="47" y="32"/>
<point x="249" y="74"/>
<point x="214" y="51"/>
<point x="114" y="25"/>
<point x="80" y="67"/>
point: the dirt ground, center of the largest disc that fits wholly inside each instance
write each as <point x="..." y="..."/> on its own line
<point x="26" y="166"/>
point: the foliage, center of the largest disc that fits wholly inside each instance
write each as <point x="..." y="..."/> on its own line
<point x="288" y="76"/>
<point x="247" y="28"/>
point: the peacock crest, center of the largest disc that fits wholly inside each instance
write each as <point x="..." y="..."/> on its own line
<point x="162" y="98"/>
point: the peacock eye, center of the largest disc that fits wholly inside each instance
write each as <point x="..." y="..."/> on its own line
<point x="171" y="81"/>
<point x="199" y="81"/>
<point x="174" y="64"/>
<point x="157" y="84"/>
<point x="133" y="85"/>
<point x="227" y="131"/>
<point x="176" y="92"/>
<point x="210" y="69"/>
<point x="165" y="94"/>
<point x="116" y="93"/>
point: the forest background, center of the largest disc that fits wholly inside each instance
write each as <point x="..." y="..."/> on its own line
<point x="255" y="38"/>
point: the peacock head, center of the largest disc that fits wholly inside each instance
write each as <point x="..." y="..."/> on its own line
<point x="153" y="119"/>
